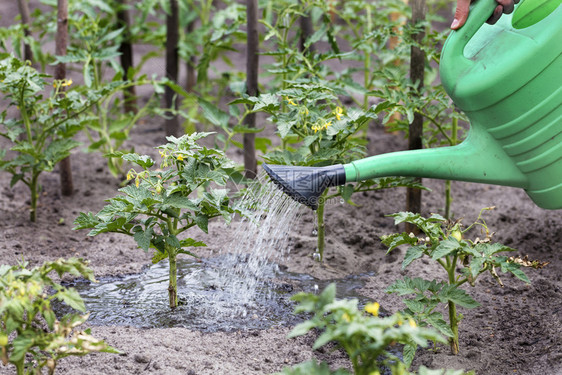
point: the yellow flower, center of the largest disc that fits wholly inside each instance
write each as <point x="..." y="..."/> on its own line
<point x="290" y="101"/>
<point x="129" y="176"/>
<point x="372" y="308"/>
<point x="180" y="157"/>
<point x="329" y="123"/>
<point x="338" y="112"/>
<point x="137" y="181"/>
<point x="162" y="153"/>
<point x="412" y="323"/>
<point x="67" y="82"/>
<point x="346" y="317"/>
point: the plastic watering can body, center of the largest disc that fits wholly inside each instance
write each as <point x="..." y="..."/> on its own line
<point x="507" y="78"/>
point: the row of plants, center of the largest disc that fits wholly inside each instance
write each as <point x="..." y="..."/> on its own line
<point x="158" y="206"/>
<point x="320" y="116"/>
<point x="303" y="94"/>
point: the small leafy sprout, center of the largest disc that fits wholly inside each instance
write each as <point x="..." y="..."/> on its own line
<point x="31" y="336"/>
<point x="164" y="203"/>
<point x="446" y="243"/>
<point x="365" y="337"/>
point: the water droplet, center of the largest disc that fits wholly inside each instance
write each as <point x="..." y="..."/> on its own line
<point x="342" y="201"/>
<point x="314" y="232"/>
<point x="316" y="256"/>
<point x="315" y="288"/>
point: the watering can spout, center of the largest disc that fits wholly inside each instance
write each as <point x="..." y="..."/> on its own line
<point x="469" y="161"/>
<point x="477" y="159"/>
<point x="306" y="184"/>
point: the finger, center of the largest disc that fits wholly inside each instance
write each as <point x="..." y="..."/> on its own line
<point x="508" y="5"/>
<point x="461" y="14"/>
<point x="496" y="15"/>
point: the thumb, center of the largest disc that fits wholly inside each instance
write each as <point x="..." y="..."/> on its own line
<point x="461" y="14"/>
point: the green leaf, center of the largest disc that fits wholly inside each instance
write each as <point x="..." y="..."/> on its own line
<point x="177" y="200"/>
<point x="414" y="306"/>
<point x="50" y="318"/>
<point x="436" y="320"/>
<point x="323" y="339"/>
<point x="515" y="269"/>
<point x="190" y="242"/>
<point x="202" y="222"/>
<point x="85" y="221"/>
<point x="397" y="239"/>
<point x="302" y="328"/>
<point x="136" y="195"/>
<point x="458" y="296"/>
<point x="112" y="226"/>
<point x="445" y="248"/>
<point x="144" y="161"/>
<point x="143" y="238"/>
<point x="158" y="257"/>
<point x="412" y="254"/>
<point x="213" y="114"/>
<point x="266" y="102"/>
<point x="21" y="345"/>
<point x="409" y="352"/>
<point x="60" y="149"/>
<point x="262" y="144"/>
<point x="328" y="294"/>
<point x="173" y="241"/>
<point x="72" y="298"/>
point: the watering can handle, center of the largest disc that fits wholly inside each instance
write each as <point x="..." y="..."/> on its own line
<point x="453" y="50"/>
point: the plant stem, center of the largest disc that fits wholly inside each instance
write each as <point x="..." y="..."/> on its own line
<point x="34" y="196"/>
<point x="20" y="368"/>
<point x="453" y="321"/>
<point x="454" y="341"/>
<point x="321" y="228"/>
<point x="448" y="198"/>
<point x="173" y="282"/>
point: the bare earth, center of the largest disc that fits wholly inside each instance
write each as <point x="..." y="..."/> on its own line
<point x="517" y="330"/>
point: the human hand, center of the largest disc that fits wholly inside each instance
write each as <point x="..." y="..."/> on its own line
<point x="461" y="13"/>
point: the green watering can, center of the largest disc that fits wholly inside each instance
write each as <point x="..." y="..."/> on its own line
<point x="507" y="78"/>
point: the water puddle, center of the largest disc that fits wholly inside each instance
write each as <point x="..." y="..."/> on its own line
<point x="207" y="304"/>
<point x="240" y="287"/>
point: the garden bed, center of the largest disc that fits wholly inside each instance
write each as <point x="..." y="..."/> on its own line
<point x="517" y="330"/>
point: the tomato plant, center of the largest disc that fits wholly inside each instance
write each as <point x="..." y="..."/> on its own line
<point x="162" y="204"/>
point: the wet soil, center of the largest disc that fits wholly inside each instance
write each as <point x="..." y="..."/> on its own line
<point x="517" y="330"/>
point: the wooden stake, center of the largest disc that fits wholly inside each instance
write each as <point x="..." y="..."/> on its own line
<point x="417" y="69"/>
<point x="172" y="125"/>
<point x="65" y="168"/>
<point x="191" y="63"/>
<point x="26" y="22"/>
<point x="252" y="66"/>
<point x="126" y="49"/>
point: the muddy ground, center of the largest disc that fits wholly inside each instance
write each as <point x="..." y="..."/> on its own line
<point x="517" y="330"/>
